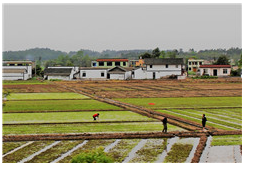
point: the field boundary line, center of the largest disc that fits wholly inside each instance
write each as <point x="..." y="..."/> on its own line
<point x="39" y="152"/>
<point x="93" y="136"/>
<point x="69" y="152"/>
<point x="192" y="153"/>
<point x="132" y="153"/>
<point x="170" y="143"/>
<point x="109" y="147"/>
<point x="16" y="149"/>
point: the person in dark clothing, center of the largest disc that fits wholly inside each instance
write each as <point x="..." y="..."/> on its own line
<point x="203" y="121"/>
<point x="164" y="121"/>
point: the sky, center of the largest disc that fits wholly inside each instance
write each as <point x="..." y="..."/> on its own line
<point x="71" y="27"/>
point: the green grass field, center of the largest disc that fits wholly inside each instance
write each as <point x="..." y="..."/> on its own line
<point x="20" y="82"/>
<point x="226" y="119"/>
<point x="72" y="117"/>
<point x="227" y="140"/>
<point x="90" y="127"/>
<point x="195" y="102"/>
<point x="57" y="105"/>
<point x="37" y="96"/>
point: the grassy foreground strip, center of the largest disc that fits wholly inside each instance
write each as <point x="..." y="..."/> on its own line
<point x="227" y="140"/>
<point x="8" y="146"/>
<point x="178" y="153"/>
<point x="20" y="82"/>
<point x="195" y="102"/>
<point x="38" y="96"/>
<point x="55" y="105"/>
<point x="86" y="128"/>
<point x="12" y="118"/>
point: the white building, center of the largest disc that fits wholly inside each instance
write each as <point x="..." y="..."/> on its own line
<point x="194" y="64"/>
<point x="120" y="73"/>
<point x="215" y="70"/>
<point x="158" y="68"/>
<point x="93" y="73"/>
<point x="61" y="73"/>
<point x="17" y="70"/>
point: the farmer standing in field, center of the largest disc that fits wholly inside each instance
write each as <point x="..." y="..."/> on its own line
<point x="96" y="116"/>
<point x="203" y="121"/>
<point x="164" y="121"/>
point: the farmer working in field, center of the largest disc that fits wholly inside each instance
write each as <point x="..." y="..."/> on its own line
<point x="164" y="121"/>
<point x="203" y="121"/>
<point x="96" y="116"/>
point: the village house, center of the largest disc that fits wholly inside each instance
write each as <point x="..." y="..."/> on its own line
<point x="110" y="63"/>
<point x="61" y="73"/>
<point x="17" y="70"/>
<point x="93" y="73"/>
<point x="158" y="68"/>
<point x="151" y="69"/>
<point x="215" y="70"/>
<point x="194" y="64"/>
<point x="120" y="73"/>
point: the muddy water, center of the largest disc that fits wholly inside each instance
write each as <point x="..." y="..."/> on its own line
<point x="195" y="142"/>
<point x="111" y="145"/>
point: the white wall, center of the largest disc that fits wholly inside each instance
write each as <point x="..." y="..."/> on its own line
<point x="17" y="76"/>
<point x="13" y="76"/>
<point x="59" y="77"/>
<point x="159" y="70"/>
<point x="93" y="74"/>
<point x="117" y="76"/>
<point x="163" y="68"/>
<point x="219" y="71"/>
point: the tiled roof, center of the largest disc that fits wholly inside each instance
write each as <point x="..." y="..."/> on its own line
<point x="14" y="70"/>
<point x="215" y="66"/>
<point x="58" y="71"/>
<point x="166" y="61"/>
<point x="93" y="68"/>
<point x="112" y="60"/>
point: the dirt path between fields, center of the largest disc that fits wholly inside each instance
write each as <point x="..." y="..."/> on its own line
<point x="93" y="136"/>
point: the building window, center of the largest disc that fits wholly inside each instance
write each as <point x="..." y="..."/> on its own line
<point x="94" y="64"/>
<point x="109" y="63"/>
<point x="200" y="63"/>
<point x="117" y="63"/>
<point x="101" y="63"/>
<point x="84" y="74"/>
<point x="12" y="64"/>
<point x="225" y="71"/>
<point x="196" y="63"/>
<point x="102" y="74"/>
<point x="124" y="63"/>
<point x="166" y="66"/>
<point x="151" y="66"/>
<point x="189" y="68"/>
<point x="189" y="63"/>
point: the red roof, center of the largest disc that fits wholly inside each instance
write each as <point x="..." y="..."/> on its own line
<point x="215" y="66"/>
<point x="112" y="60"/>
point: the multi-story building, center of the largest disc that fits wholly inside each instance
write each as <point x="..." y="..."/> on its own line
<point x="110" y="63"/>
<point x="17" y="70"/>
<point x="194" y="64"/>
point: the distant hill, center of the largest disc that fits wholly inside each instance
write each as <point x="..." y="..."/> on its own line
<point x="49" y="54"/>
<point x="32" y="54"/>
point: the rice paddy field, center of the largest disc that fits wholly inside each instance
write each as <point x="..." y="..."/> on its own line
<point x="37" y="108"/>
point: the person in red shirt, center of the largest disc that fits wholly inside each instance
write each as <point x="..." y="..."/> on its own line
<point x="96" y="116"/>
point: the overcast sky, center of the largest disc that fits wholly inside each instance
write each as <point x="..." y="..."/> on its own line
<point x="121" y="26"/>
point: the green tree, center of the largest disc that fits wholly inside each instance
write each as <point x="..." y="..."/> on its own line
<point x="163" y="54"/>
<point x="156" y="53"/>
<point x="145" y="55"/>
<point x="240" y="62"/>
<point x="222" y="60"/>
